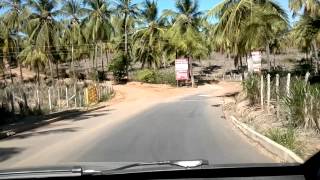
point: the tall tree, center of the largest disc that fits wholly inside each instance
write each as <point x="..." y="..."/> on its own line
<point x="16" y="14"/>
<point x="127" y="11"/>
<point x="148" y="38"/>
<point x="73" y="11"/>
<point x="43" y="27"/>
<point x="98" y="27"/>
<point x="185" y="30"/>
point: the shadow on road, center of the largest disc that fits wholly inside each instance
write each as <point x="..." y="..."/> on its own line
<point x="7" y="153"/>
<point x="45" y="132"/>
<point x="231" y="94"/>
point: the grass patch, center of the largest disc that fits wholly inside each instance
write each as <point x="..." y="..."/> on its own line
<point x="286" y="138"/>
<point x="162" y="76"/>
<point x="251" y="87"/>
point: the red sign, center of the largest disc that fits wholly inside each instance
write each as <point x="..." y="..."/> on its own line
<point x="182" y="69"/>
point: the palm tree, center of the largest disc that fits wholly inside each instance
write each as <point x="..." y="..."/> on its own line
<point x="236" y="17"/>
<point x="148" y="38"/>
<point x="73" y="11"/>
<point x="16" y="15"/>
<point x="185" y="30"/>
<point x="98" y="25"/>
<point x="43" y="28"/>
<point x="7" y="46"/>
<point x="127" y="11"/>
<point x="35" y="57"/>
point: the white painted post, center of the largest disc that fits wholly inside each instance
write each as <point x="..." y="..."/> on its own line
<point x="86" y="96"/>
<point x="49" y="97"/>
<point x="278" y="95"/>
<point x="306" y="78"/>
<point x="268" y="92"/>
<point x="38" y="99"/>
<point x="67" y="99"/>
<point x="261" y="91"/>
<point x="288" y="84"/>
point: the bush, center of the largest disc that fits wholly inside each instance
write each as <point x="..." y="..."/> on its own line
<point x="146" y="75"/>
<point x="163" y="76"/>
<point x="286" y="138"/>
<point x="118" y="67"/>
<point x="295" y="103"/>
<point x="251" y="87"/>
<point x="166" y="76"/>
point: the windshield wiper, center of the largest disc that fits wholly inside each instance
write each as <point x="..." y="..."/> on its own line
<point x="184" y="164"/>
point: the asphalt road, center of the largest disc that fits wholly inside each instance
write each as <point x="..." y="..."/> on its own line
<point x="183" y="129"/>
<point x="190" y="128"/>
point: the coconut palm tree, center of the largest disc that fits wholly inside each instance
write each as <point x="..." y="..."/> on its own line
<point x="126" y="10"/>
<point x="185" y="30"/>
<point x="98" y="27"/>
<point x="236" y="17"/>
<point x="43" y="28"/>
<point x="16" y="15"/>
<point x="73" y="11"/>
<point x="148" y="39"/>
<point x="7" y="46"/>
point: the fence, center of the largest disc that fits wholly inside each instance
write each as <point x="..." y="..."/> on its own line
<point x="290" y="97"/>
<point x="20" y="98"/>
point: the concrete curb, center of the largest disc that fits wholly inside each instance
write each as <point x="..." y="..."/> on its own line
<point x="47" y="119"/>
<point x="274" y="148"/>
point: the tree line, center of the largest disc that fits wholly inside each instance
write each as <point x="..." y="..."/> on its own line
<point x="43" y="33"/>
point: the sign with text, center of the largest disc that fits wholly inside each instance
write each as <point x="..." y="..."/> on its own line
<point x="254" y="62"/>
<point x="182" y="67"/>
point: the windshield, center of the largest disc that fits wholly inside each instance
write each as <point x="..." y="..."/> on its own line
<point x="120" y="82"/>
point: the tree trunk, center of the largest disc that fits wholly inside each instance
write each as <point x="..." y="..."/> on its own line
<point x="57" y="69"/>
<point x="268" y="56"/>
<point x="20" y="69"/>
<point x="107" y="56"/>
<point x="72" y="62"/>
<point x="125" y="35"/>
<point x="315" y="51"/>
<point x="38" y="75"/>
<point x="274" y="60"/>
<point x="191" y="72"/>
<point x="51" y="70"/>
<point x="95" y="56"/>
<point x="101" y="56"/>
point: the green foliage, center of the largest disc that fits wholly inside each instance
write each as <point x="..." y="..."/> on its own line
<point x="162" y="76"/>
<point x="251" y="87"/>
<point x="146" y="75"/>
<point x="295" y="103"/>
<point x="118" y="67"/>
<point x="286" y="138"/>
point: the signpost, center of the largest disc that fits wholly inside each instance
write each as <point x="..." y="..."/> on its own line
<point x="182" y="69"/>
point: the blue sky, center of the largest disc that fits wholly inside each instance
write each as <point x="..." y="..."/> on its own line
<point x="204" y="4"/>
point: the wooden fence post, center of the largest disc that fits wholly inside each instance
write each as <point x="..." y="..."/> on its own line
<point x="288" y="84"/>
<point x="80" y="99"/>
<point x="49" y="97"/>
<point x="86" y="95"/>
<point x="67" y="99"/>
<point x="268" y="92"/>
<point x="261" y="91"/>
<point x="75" y="97"/>
<point x="38" y="99"/>
<point x="278" y="95"/>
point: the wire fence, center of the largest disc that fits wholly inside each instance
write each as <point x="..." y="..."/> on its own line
<point x="59" y="96"/>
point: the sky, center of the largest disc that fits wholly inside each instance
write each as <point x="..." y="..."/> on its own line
<point x="204" y="4"/>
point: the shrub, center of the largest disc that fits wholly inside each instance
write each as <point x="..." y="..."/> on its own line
<point x="294" y="104"/>
<point x="251" y="87"/>
<point x="162" y="76"/>
<point x="146" y="75"/>
<point x="166" y="76"/>
<point x="118" y="67"/>
<point x="286" y="138"/>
